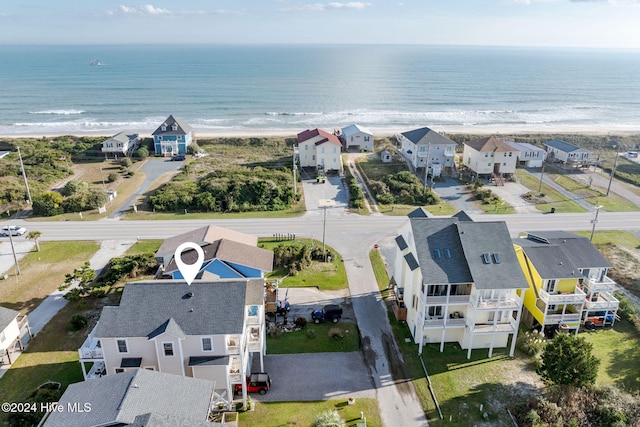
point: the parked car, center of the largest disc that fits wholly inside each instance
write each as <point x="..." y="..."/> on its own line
<point x="256" y="383"/>
<point x="15" y="230"/>
<point x="178" y="158"/>
<point x="329" y="313"/>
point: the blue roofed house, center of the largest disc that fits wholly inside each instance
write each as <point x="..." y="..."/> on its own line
<point x="460" y="281"/>
<point x="228" y="254"/>
<point x="567" y="154"/>
<point x="209" y="329"/>
<point x="136" y="398"/>
<point x="529" y="155"/>
<point x="418" y="145"/>
<point x="172" y="137"/>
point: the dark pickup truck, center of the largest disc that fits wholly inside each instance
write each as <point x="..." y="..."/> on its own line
<point x="329" y="313"/>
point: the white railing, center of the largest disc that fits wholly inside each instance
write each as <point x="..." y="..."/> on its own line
<point x="502" y="303"/>
<point x="255" y="345"/>
<point x="604" y="302"/>
<point x="435" y="322"/>
<point x="551" y="319"/>
<point x="594" y="286"/>
<point x="90" y="348"/>
<point x="485" y="328"/>
<point x="253" y="320"/>
<point x="575" y="297"/>
<point x="96" y="371"/>
<point x="453" y="299"/>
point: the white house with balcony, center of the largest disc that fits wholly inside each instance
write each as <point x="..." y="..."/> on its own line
<point x="356" y="137"/>
<point x="460" y="280"/>
<point x="490" y="156"/>
<point x="427" y="148"/>
<point x="567" y="154"/>
<point x="529" y="155"/>
<point x="319" y="149"/>
<point x="209" y="330"/>
<point x="120" y="144"/>
<point x="568" y="283"/>
<point x="172" y="137"/>
<point x="14" y="328"/>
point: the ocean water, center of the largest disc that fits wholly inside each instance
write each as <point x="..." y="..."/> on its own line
<point x="217" y="89"/>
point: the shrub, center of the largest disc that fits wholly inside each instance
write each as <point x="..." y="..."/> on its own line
<point x="126" y="162"/>
<point x="311" y="333"/>
<point x="77" y="322"/>
<point x="75" y="187"/>
<point x="48" y="204"/>
<point x="300" y="322"/>
<point x="329" y="418"/>
<point x="142" y="153"/>
<point x="335" y="332"/>
<point x="113" y="177"/>
<point x="131" y="172"/>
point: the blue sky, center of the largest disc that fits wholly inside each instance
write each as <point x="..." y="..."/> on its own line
<point x="570" y="23"/>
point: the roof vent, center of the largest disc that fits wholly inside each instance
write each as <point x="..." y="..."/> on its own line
<point x="135" y="385"/>
<point x="191" y="310"/>
<point x="496" y="258"/>
<point x="187" y="295"/>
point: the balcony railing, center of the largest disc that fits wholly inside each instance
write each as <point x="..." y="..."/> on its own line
<point x="603" y="302"/>
<point x="91" y="348"/>
<point x="595" y="286"/>
<point x="442" y="299"/>
<point x="253" y="320"/>
<point x="436" y="322"/>
<point x="575" y="297"/>
<point x="488" y="328"/>
<point x="501" y="303"/>
<point x="552" y="319"/>
<point x="96" y="371"/>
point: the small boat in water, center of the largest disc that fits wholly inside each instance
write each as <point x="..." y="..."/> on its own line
<point x="96" y="62"/>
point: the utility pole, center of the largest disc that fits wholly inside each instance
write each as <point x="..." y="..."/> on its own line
<point x="426" y="168"/>
<point x="295" y="183"/>
<point x="13" y="249"/>
<point x="613" y="171"/>
<point x="541" y="175"/>
<point x="594" y="221"/>
<point x="24" y="176"/>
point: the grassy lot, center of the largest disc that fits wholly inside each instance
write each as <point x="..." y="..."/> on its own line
<point x="278" y="414"/>
<point x="618" y="349"/>
<point x="43" y="272"/>
<point x="622" y="238"/>
<point x="551" y="199"/>
<point x="316" y="338"/>
<point x="143" y="247"/>
<point x="611" y="203"/>
<point x="325" y="275"/>
<point x="379" y="269"/>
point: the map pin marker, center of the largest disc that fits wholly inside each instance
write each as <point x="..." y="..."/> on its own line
<point x="189" y="271"/>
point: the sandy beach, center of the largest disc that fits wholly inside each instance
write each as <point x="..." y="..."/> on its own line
<point x="382" y="132"/>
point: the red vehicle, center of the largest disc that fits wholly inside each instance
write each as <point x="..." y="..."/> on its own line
<point x="258" y="382"/>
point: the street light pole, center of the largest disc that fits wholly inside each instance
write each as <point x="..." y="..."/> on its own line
<point x="426" y="167"/>
<point x="24" y="176"/>
<point x="594" y="221"/>
<point x="613" y="172"/>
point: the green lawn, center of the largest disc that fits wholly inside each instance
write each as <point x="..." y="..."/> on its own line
<point x="611" y="203"/>
<point x="444" y="209"/>
<point x="144" y="246"/>
<point x="379" y="269"/>
<point x="621" y="238"/>
<point x="280" y="414"/>
<point x="327" y="276"/>
<point x="316" y="338"/>
<point x="551" y="199"/>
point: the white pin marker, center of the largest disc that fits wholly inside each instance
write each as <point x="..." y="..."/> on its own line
<point x="189" y="271"/>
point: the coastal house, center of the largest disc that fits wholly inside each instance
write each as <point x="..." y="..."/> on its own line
<point x="460" y="281"/>
<point x="228" y="254"/>
<point x="427" y="148"/>
<point x="13" y="328"/>
<point x="320" y="150"/>
<point x="568" y="283"/>
<point x="567" y="154"/>
<point x="135" y="398"/>
<point x="120" y="144"/>
<point x="529" y="155"/>
<point x="356" y="138"/>
<point x="490" y="156"/>
<point x="172" y="137"/>
<point x="209" y="329"/>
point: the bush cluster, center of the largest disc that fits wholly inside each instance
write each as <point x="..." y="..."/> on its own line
<point x="76" y="196"/>
<point x="484" y="194"/>
<point x="406" y="189"/>
<point x="295" y="257"/>
<point x="356" y="198"/>
<point x="241" y="190"/>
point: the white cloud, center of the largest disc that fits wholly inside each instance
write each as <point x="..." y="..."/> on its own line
<point x="319" y="7"/>
<point x="151" y="10"/>
<point x="145" y="9"/>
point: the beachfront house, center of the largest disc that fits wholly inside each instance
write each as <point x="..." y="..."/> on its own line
<point x="567" y="154"/>
<point x="120" y="144"/>
<point x="427" y="148"/>
<point x="356" y="138"/>
<point x="228" y="254"/>
<point x="490" y="156"/>
<point x="172" y="137"/>
<point x="209" y="329"/>
<point x="319" y="149"/>
<point x="529" y="155"/>
<point x="568" y="283"/>
<point x="136" y="398"/>
<point x="13" y="328"/>
<point x="460" y="281"/>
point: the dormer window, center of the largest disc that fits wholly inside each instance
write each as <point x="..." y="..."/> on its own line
<point x="174" y="126"/>
<point x="164" y="127"/>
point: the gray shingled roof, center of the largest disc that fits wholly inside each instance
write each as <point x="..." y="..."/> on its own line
<point x="183" y="127"/>
<point x="125" y="137"/>
<point x="213" y="308"/>
<point x="562" y="145"/>
<point x="451" y="251"/>
<point x="419" y="213"/>
<point x="490" y="144"/>
<point x="550" y="261"/>
<point x="577" y="248"/>
<point x="122" y="398"/>
<point x="432" y="136"/>
<point x="463" y="216"/>
<point x="6" y="316"/>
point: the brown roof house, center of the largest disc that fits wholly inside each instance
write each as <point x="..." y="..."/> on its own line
<point x="490" y="155"/>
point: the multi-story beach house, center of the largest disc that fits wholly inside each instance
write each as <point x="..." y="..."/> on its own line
<point x="120" y="144"/>
<point x="136" y="398"/>
<point x="209" y="329"/>
<point x="427" y="148"/>
<point x="460" y="282"/>
<point x="356" y="138"/>
<point x="490" y="156"/>
<point x="13" y="328"/>
<point x="529" y="155"/>
<point x="567" y="154"/>
<point x="172" y="137"/>
<point x="568" y="283"/>
<point x="320" y="150"/>
<point x="228" y="254"/>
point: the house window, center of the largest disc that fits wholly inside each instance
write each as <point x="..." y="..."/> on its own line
<point x="486" y="155"/>
<point x="206" y="344"/>
<point x="313" y="157"/>
<point x="3" y="337"/>
<point x="119" y="370"/>
<point x="168" y="348"/>
<point x="366" y="138"/>
<point x="174" y="127"/>
<point x="435" y="311"/>
<point x="122" y="346"/>
<point x="510" y="153"/>
<point x="164" y="128"/>
<point x="551" y="285"/>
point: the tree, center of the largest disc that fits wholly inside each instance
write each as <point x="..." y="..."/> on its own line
<point x="48" y="204"/>
<point x="35" y="235"/>
<point x="568" y="360"/>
